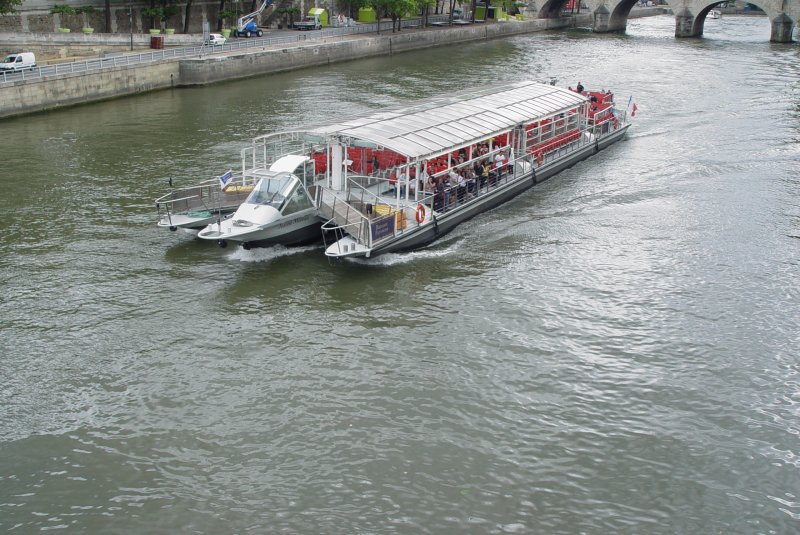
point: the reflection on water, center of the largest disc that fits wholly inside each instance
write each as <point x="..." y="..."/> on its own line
<point x="612" y="351"/>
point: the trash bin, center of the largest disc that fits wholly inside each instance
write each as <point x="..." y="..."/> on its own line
<point x="157" y="41"/>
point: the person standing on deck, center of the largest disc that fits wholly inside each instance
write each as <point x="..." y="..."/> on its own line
<point x="499" y="163"/>
<point x="579" y="89"/>
<point x="401" y="181"/>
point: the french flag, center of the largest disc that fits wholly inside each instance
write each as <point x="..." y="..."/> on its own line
<point x="634" y="108"/>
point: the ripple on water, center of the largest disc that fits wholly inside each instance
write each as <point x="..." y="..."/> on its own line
<point x="611" y="352"/>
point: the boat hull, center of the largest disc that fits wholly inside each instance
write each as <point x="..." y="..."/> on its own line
<point x="296" y="229"/>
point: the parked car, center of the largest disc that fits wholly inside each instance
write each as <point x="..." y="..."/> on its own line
<point x="215" y="39"/>
<point x="18" y="62"/>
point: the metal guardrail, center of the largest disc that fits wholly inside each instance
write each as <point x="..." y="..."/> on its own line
<point x="169" y="54"/>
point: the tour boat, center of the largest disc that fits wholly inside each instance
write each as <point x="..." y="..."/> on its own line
<point x="194" y="207"/>
<point x="482" y="147"/>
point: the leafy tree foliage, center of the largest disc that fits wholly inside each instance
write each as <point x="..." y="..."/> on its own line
<point x="395" y="9"/>
<point x="7" y="6"/>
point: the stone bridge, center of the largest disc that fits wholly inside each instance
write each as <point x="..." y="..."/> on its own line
<point x="690" y="15"/>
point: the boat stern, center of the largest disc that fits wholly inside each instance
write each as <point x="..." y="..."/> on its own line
<point x="189" y="221"/>
<point x="347" y="247"/>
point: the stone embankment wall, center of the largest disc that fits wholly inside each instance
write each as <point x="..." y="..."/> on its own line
<point x="39" y="95"/>
<point x="56" y="47"/>
<point x="318" y="52"/>
<point x="28" y="97"/>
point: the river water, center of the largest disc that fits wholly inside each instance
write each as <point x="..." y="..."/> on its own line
<point x="615" y="351"/>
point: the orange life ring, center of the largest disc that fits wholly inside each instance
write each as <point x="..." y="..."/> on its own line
<point x="420" y="213"/>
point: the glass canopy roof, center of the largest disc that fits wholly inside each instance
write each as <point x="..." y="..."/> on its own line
<point x="442" y="123"/>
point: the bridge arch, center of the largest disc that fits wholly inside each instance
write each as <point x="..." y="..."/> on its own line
<point x="690" y="15"/>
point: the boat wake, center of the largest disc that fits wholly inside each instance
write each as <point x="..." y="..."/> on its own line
<point x="395" y="259"/>
<point x="267" y="254"/>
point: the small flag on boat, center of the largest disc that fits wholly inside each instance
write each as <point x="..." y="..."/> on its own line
<point x="225" y="179"/>
<point x="632" y="106"/>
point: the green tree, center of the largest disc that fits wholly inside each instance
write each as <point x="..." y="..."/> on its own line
<point x="62" y="9"/>
<point x="220" y="11"/>
<point x="186" y="16"/>
<point x="395" y="9"/>
<point x="226" y="15"/>
<point x="425" y="7"/>
<point x="381" y="8"/>
<point x="401" y="8"/>
<point x="85" y="11"/>
<point x="7" y="6"/>
<point x="351" y="7"/>
<point x="152" y="13"/>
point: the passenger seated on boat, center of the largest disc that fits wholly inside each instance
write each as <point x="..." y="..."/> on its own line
<point x="376" y="166"/>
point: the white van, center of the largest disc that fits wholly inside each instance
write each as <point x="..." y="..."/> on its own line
<point x="18" y="62"/>
<point x="215" y="39"/>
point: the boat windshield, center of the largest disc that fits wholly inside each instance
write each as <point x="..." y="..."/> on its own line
<point x="272" y="191"/>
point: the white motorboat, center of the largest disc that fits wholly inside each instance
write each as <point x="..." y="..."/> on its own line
<point x="714" y="14"/>
<point x="278" y="210"/>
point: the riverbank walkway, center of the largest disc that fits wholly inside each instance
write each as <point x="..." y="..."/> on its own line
<point x="113" y="74"/>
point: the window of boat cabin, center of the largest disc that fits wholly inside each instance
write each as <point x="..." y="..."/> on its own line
<point x="305" y="172"/>
<point x="271" y="191"/>
<point x="297" y="200"/>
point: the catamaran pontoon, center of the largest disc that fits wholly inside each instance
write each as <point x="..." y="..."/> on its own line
<point x="194" y="207"/>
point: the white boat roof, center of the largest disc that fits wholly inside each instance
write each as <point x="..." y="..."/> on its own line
<point x="439" y="124"/>
<point x="287" y="163"/>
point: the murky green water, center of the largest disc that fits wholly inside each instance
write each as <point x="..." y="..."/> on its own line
<point x="615" y="351"/>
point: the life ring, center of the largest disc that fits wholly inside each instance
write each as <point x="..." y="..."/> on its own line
<point x="420" y="213"/>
